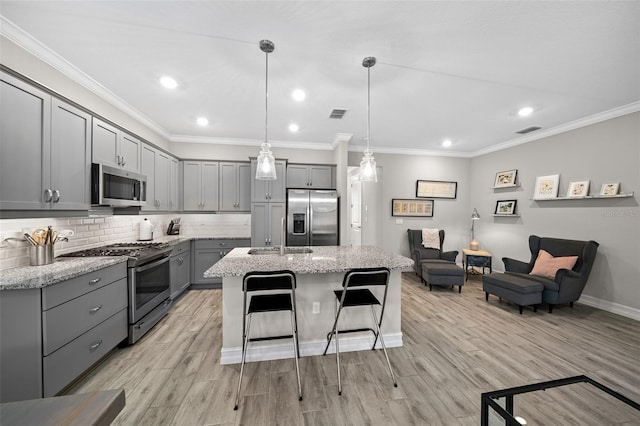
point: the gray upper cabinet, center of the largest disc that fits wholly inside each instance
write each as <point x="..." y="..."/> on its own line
<point x="173" y="184"/>
<point x="200" y="185"/>
<point x="155" y="165"/>
<point x="269" y="190"/>
<point x="50" y="140"/>
<point x="162" y="181"/>
<point x="235" y="187"/>
<point x="148" y="168"/>
<point x="115" y="148"/>
<point x="310" y="176"/>
<point x="70" y="157"/>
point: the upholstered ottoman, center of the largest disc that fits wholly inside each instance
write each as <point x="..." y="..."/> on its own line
<point x="519" y="290"/>
<point x="442" y="273"/>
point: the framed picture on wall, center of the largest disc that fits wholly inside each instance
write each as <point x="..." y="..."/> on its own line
<point x="505" y="179"/>
<point x="506" y="207"/>
<point x="578" y="189"/>
<point x="546" y="187"/>
<point x="436" y="189"/>
<point x="411" y="208"/>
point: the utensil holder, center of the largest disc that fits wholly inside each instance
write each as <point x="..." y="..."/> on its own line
<point x="41" y="255"/>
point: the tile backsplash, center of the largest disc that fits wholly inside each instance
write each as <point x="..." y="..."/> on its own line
<point x="99" y="230"/>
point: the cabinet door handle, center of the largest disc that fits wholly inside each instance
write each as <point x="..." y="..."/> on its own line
<point x="95" y="345"/>
<point x="124" y="160"/>
<point x="94" y="281"/>
<point x="118" y="160"/>
<point x="56" y="195"/>
<point x="48" y="195"/>
<point x="94" y="310"/>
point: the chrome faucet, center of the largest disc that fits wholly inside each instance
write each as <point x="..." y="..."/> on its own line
<point x="283" y="235"/>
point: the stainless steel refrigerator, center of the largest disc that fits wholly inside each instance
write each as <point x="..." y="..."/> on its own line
<point x="312" y="217"/>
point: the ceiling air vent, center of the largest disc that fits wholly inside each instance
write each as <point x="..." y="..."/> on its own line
<point x="338" y="113"/>
<point x="528" y="130"/>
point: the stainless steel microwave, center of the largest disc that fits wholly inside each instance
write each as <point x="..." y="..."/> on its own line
<point x="115" y="187"/>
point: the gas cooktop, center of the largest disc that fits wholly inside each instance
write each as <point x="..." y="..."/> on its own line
<point x="138" y="252"/>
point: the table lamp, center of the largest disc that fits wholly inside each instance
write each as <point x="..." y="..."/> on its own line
<point x="473" y="245"/>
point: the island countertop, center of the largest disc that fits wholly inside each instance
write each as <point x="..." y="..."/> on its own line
<point x="324" y="259"/>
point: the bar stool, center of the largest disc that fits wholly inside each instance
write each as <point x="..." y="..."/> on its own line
<point x="262" y="303"/>
<point x="347" y="298"/>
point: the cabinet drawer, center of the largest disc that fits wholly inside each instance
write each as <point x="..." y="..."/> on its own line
<point x="223" y="244"/>
<point x="57" y="294"/>
<point x="181" y="248"/>
<point x="65" y="322"/>
<point x="67" y="363"/>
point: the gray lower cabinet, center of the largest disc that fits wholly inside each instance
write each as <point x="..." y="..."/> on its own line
<point x="180" y="269"/>
<point x="48" y="138"/>
<point x="206" y="253"/>
<point x="50" y="336"/>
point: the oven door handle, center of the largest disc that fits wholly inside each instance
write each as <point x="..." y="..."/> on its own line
<point x="152" y="264"/>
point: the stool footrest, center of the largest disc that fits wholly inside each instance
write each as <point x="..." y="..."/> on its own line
<point x="258" y="339"/>
<point x="353" y="330"/>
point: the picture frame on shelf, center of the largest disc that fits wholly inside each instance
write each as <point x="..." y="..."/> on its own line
<point x="610" y="189"/>
<point x="411" y="208"/>
<point x="546" y="187"/>
<point x="505" y="179"/>
<point x="578" y="189"/>
<point x="506" y="207"/>
<point x="436" y="189"/>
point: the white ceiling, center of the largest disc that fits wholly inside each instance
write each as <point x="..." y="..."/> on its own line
<point x="457" y="70"/>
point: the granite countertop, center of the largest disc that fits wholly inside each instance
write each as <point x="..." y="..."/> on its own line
<point x="64" y="268"/>
<point x="323" y="260"/>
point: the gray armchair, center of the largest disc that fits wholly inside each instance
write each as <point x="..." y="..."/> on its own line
<point x="567" y="285"/>
<point x="421" y="254"/>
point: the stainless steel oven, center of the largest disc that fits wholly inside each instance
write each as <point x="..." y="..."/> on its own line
<point x="148" y="295"/>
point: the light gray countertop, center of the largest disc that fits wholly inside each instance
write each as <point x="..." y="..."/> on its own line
<point x="323" y="260"/>
<point x="64" y="268"/>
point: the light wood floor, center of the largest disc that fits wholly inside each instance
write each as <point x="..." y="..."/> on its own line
<point x="456" y="346"/>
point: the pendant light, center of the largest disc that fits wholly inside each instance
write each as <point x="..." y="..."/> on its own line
<point x="266" y="168"/>
<point x="368" y="163"/>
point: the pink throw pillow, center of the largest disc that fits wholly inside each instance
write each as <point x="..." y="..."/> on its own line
<point x="546" y="265"/>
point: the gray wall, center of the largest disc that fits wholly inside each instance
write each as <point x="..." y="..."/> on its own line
<point x="398" y="180"/>
<point x="604" y="152"/>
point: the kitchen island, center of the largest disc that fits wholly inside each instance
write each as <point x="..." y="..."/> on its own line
<point x="317" y="274"/>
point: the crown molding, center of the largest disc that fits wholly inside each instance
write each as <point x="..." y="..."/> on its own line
<point x="572" y="125"/>
<point x="341" y="137"/>
<point x="406" y="151"/>
<point x="33" y="46"/>
<point x="249" y="142"/>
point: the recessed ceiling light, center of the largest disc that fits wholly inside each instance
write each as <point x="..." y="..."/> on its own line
<point x="298" y="95"/>
<point x="293" y="127"/>
<point x="446" y="143"/>
<point x="168" y="82"/>
<point x="526" y="111"/>
<point x="202" y="121"/>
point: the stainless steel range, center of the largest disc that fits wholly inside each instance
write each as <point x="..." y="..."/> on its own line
<point x="148" y="281"/>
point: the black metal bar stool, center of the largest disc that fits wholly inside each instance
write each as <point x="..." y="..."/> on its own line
<point x="273" y="302"/>
<point x="347" y="298"/>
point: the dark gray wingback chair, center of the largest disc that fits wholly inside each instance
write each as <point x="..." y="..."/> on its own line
<point x="421" y="254"/>
<point x="568" y="284"/>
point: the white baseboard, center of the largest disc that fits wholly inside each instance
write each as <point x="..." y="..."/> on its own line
<point x="265" y="352"/>
<point x="615" y="308"/>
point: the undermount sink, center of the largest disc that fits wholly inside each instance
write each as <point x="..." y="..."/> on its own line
<point x="276" y="250"/>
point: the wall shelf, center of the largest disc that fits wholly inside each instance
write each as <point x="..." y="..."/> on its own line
<point x="588" y="197"/>
<point x="516" y="185"/>
<point x="506" y="215"/>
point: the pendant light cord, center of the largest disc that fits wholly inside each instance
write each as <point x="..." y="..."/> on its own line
<point x="368" y="106"/>
<point x="266" y="96"/>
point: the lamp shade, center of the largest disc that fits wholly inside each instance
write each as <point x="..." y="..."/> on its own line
<point x="266" y="169"/>
<point x="368" y="168"/>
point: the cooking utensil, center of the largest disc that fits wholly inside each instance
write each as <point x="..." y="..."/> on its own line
<point x="39" y="236"/>
<point x="30" y="239"/>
